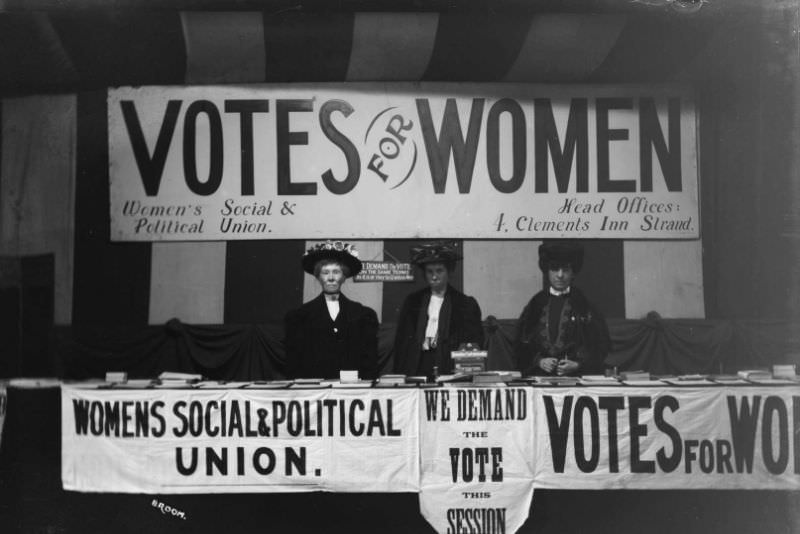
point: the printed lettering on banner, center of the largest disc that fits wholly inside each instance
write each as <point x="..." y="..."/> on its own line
<point x="421" y="160"/>
<point x="647" y="438"/>
<point x="207" y="441"/>
<point x="476" y="453"/>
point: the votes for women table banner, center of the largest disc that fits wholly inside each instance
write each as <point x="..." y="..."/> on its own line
<point x="667" y="438"/>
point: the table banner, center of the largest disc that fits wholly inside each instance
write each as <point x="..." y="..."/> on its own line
<point x="655" y="438"/>
<point x="476" y="454"/>
<point x="229" y="441"/>
<point x="406" y="160"/>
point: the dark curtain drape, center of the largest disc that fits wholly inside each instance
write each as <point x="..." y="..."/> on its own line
<point x="256" y="352"/>
<point x="226" y="352"/>
<point x="672" y="346"/>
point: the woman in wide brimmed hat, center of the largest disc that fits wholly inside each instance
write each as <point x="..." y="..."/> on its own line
<point x="331" y="332"/>
<point x="560" y="332"/>
<point x="436" y="320"/>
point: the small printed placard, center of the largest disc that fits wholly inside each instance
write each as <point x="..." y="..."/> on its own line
<point x="385" y="271"/>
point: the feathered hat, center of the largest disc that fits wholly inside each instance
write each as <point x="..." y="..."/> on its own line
<point x="339" y="251"/>
<point x="438" y="252"/>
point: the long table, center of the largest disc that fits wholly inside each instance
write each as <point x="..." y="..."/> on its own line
<point x="560" y="445"/>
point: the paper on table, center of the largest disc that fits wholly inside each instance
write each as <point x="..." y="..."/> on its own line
<point x="690" y="382"/>
<point x="346" y="385"/>
<point x="310" y="385"/>
<point x="272" y="384"/>
<point x="655" y="382"/>
<point x="607" y="381"/>
<point x="222" y="385"/>
<point x="773" y="381"/>
<point x="171" y="375"/>
<point x="134" y="384"/>
<point x="729" y="380"/>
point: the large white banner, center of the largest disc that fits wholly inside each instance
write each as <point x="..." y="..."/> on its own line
<point x="476" y="452"/>
<point x="474" y="442"/>
<point x="219" y="441"/>
<point x="402" y="160"/>
<point x="475" y="455"/>
<point x="656" y="438"/>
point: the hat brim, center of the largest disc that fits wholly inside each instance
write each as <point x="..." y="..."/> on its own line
<point x="560" y="253"/>
<point x="340" y="256"/>
<point x="441" y="258"/>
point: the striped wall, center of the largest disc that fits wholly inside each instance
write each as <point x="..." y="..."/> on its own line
<point x="188" y="279"/>
<point x="37" y="186"/>
<point x="258" y="281"/>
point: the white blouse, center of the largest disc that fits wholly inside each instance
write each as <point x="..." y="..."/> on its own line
<point x="434" y="307"/>
<point x="333" y="308"/>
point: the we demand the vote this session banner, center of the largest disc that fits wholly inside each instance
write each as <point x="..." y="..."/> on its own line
<point x="402" y="160"/>
<point x="476" y="454"/>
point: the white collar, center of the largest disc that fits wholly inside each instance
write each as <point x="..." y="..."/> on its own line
<point x="556" y="293"/>
<point x="333" y="308"/>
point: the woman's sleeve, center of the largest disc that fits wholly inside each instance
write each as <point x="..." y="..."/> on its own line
<point x="596" y="345"/>
<point x="400" y="332"/>
<point x="473" y="324"/>
<point x="293" y="345"/>
<point x="369" y="337"/>
<point x="526" y="354"/>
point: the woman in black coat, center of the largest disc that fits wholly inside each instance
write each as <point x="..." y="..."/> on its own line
<point x="560" y="332"/>
<point x="436" y="320"/>
<point x="331" y="332"/>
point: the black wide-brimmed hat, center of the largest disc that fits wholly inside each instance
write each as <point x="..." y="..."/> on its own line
<point x="438" y="252"/>
<point x="560" y="253"/>
<point x="338" y="251"/>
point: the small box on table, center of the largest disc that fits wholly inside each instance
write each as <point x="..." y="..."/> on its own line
<point x="469" y="361"/>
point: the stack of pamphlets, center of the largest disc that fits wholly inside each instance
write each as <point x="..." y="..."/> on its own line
<point x="416" y="379"/>
<point x="457" y="379"/>
<point x="495" y="377"/>
<point x="729" y="380"/>
<point x="785" y="371"/>
<point x="186" y="377"/>
<point x="172" y="380"/>
<point x="269" y="384"/>
<point x="390" y="381"/>
<point x="558" y="380"/>
<point x="690" y="380"/>
<point x="635" y="376"/>
<point x="136" y="383"/>
<point x="773" y="381"/>
<point x="220" y="384"/>
<point x="640" y="378"/>
<point x="490" y="379"/>
<point x="334" y="383"/>
<point x="524" y="381"/>
<point x="754" y="374"/>
<point x="309" y="383"/>
<point x="648" y="382"/>
<point x="764" y="377"/>
<point x="599" y="380"/>
<point x="116" y="376"/>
